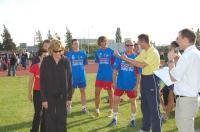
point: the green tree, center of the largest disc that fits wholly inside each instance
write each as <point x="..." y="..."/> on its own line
<point x="1" y="46"/>
<point x="198" y="37"/>
<point x="49" y="36"/>
<point x="38" y="39"/>
<point x="7" y="43"/>
<point x="118" y="37"/>
<point x="68" y="40"/>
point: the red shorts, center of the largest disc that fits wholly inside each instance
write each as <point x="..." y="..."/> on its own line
<point x="103" y="84"/>
<point x="130" y="93"/>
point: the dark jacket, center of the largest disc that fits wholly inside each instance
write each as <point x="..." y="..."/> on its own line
<point x="55" y="79"/>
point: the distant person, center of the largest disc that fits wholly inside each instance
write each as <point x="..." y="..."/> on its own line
<point x="186" y="76"/>
<point x="104" y="56"/>
<point x="56" y="87"/>
<point x="34" y="90"/>
<point x="24" y="58"/>
<point x="78" y="60"/>
<point x="128" y="79"/>
<point x="45" y="45"/>
<point x="13" y="64"/>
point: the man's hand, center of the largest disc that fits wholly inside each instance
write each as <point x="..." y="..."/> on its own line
<point x="45" y="104"/>
<point x="116" y="53"/>
<point x="68" y="103"/>
<point x="124" y="57"/>
<point x="30" y="97"/>
<point x="114" y="85"/>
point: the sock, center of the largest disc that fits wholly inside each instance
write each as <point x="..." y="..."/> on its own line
<point x="97" y="110"/>
<point x="83" y="107"/>
<point x="133" y="116"/>
<point x="115" y="115"/>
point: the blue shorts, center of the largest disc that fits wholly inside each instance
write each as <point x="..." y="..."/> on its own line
<point x="79" y="85"/>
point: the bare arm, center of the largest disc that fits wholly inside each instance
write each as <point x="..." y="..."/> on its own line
<point x="114" y="78"/>
<point x="30" y="86"/>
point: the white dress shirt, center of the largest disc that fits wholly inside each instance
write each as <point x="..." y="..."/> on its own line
<point x="187" y="73"/>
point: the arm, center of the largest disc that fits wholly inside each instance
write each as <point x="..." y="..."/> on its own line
<point x="43" y="81"/>
<point x="69" y="81"/>
<point x="134" y="62"/>
<point x="114" y="78"/>
<point x="138" y="76"/>
<point x="30" y="86"/>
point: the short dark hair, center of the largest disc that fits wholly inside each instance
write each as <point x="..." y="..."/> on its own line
<point x="144" y="37"/>
<point x="46" y="41"/>
<point x="73" y="40"/>
<point x="41" y="51"/>
<point x="136" y="44"/>
<point x="101" y="39"/>
<point x="189" y="34"/>
<point x="174" y="44"/>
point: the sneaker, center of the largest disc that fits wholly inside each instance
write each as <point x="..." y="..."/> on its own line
<point x="84" y="110"/>
<point x="113" y="122"/>
<point x="133" y="124"/>
<point x="96" y="114"/>
<point x="110" y="114"/>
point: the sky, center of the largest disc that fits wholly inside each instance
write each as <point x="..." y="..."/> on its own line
<point x="161" y="19"/>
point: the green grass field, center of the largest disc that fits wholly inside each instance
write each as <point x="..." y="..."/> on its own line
<point x="16" y="112"/>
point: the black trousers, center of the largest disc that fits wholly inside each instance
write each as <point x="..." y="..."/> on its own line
<point x="37" y="107"/>
<point x="55" y="114"/>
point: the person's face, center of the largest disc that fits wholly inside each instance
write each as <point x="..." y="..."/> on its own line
<point x="142" y="44"/>
<point x="129" y="46"/>
<point x="45" y="46"/>
<point x="57" y="53"/>
<point x="45" y="54"/>
<point x="136" y="47"/>
<point x="75" y="45"/>
<point x="103" y="44"/>
<point x="182" y="42"/>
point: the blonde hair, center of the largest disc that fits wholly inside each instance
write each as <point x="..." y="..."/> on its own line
<point x="55" y="45"/>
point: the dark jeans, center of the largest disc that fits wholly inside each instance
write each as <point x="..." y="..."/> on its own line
<point x="12" y="69"/>
<point x="55" y="114"/>
<point x="37" y="107"/>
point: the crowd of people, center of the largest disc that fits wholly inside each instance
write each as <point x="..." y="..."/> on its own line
<point x="54" y="77"/>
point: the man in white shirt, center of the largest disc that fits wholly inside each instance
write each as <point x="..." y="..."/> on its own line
<point x="186" y="75"/>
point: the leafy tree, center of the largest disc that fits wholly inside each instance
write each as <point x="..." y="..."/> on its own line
<point x="7" y="43"/>
<point x="68" y="40"/>
<point x="38" y="38"/>
<point x="49" y="36"/>
<point x="118" y="37"/>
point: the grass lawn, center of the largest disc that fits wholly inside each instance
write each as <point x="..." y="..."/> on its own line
<point x="16" y="112"/>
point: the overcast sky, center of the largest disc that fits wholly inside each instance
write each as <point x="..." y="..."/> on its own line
<point x="161" y="19"/>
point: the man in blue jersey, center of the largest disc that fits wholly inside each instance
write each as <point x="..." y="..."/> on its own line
<point x="128" y="79"/>
<point x="78" y="60"/>
<point x="105" y="58"/>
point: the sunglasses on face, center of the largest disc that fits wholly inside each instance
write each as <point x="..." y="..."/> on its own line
<point x="56" y="51"/>
<point x="129" y="45"/>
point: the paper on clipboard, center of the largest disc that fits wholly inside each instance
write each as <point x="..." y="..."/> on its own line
<point x="163" y="74"/>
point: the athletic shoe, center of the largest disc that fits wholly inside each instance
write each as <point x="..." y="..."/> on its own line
<point x="113" y="122"/>
<point x="84" y="110"/>
<point x="133" y="124"/>
<point x="96" y="114"/>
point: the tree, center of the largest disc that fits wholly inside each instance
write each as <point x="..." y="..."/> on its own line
<point x="118" y="37"/>
<point x="68" y="40"/>
<point x="38" y="39"/>
<point x="49" y="36"/>
<point x="198" y="37"/>
<point x="7" y="43"/>
<point x="56" y="36"/>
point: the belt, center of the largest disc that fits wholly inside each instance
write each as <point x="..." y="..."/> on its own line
<point x="179" y="96"/>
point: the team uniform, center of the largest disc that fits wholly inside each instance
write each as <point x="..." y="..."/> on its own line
<point x="105" y="59"/>
<point x="78" y="60"/>
<point x="126" y="79"/>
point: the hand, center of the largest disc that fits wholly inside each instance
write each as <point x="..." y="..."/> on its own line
<point x="68" y="103"/>
<point x="116" y="53"/>
<point x="123" y="57"/>
<point x="45" y="104"/>
<point x="114" y="85"/>
<point x="30" y="97"/>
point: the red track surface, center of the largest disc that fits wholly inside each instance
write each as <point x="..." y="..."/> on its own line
<point x="91" y="68"/>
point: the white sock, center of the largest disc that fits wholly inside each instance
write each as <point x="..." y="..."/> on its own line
<point x="84" y="107"/>
<point x="97" y="110"/>
<point x="133" y="116"/>
<point x="115" y="115"/>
